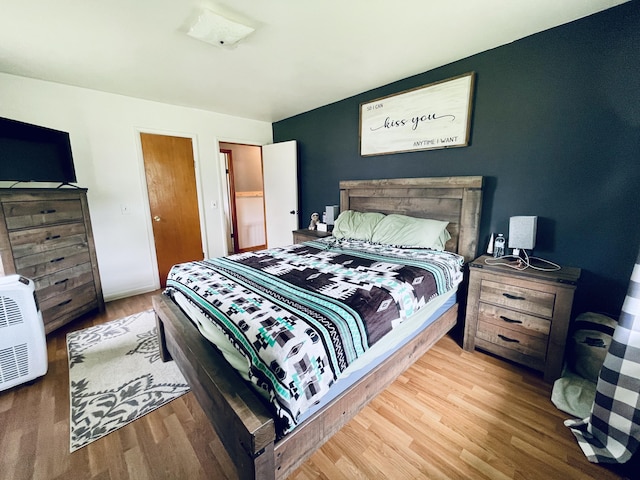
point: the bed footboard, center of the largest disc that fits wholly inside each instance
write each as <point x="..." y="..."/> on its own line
<point x="306" y="438"/>
<point x="242" y="422"/>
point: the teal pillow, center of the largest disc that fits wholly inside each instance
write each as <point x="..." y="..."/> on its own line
<point x="356" y="225"/>
<point x="408" y="231"/>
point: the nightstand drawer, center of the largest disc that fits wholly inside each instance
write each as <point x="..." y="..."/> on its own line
<point x="518" y="298"/>
<point x="514" y="340"/>
<point x="304" y="235"/>
<point x="514" y="320"/>
<point x="38" y="213"/>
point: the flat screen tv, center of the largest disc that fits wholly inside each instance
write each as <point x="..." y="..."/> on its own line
<point x="31" y="153"/>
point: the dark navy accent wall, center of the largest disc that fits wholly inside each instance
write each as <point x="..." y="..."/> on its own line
<point x="555" y="132"/>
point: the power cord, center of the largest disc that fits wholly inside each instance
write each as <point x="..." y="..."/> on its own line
<point x="519" y="263"/>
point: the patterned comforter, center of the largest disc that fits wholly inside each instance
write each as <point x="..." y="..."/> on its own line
<point x="301" y="314"/>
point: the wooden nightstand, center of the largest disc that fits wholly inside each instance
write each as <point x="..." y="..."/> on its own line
<point x="520" y="315"/>
<point x="304" y="234"/>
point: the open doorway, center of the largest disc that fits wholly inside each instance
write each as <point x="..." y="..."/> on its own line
<point x="244" y="205"/>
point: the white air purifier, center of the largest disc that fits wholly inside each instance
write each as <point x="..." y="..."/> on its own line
<point x="23" y="344"/>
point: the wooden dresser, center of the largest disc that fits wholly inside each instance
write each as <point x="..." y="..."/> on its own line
<point x="520" y="315"/>
<point x="45" y="235"/>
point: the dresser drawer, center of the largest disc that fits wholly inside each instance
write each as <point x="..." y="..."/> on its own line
<point x="514" y="320"/>
<point x="35" y="266"/>
<point x="43" y="239"/>
<point x="38" y="213"/>
<point x="62" y="281"/>
<point x="82" y="298"/>
<point x="518" y="298"/>
<point x="515" y="340"/>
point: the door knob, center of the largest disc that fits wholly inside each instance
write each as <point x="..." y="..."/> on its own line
<point x="293" y="212"/>
<point x="156" y="218"/>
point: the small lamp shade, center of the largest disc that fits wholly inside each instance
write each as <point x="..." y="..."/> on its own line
<point x="522" y="232"/>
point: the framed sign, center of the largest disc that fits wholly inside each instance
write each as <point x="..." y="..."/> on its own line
<point x="433" y="116"/>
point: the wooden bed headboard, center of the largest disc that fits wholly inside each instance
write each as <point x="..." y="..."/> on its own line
<point x="457" y="200"/>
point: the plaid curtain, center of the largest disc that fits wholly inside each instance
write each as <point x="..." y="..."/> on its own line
<point x="612" y="433"/>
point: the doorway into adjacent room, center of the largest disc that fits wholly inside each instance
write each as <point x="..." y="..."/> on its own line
<point x="260" y="177"/>
<point x="244" y="202"/>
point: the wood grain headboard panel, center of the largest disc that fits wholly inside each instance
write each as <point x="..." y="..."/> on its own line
<point x="457" y="200"/>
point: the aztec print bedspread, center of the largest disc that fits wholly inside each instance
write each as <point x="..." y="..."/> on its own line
<point x="301" y="314"/>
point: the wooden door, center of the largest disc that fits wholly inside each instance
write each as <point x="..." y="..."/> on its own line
<point x="171" y="185"/>
<point x="280" y="173"/>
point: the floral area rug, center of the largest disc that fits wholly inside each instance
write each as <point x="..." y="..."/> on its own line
<point x="116" y="376"/>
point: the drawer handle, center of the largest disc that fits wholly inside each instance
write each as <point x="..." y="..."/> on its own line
<point x="56" y="260"/>
<point x="513" y="297"/>
<point x="507" y="339"/>
<point x="61" y="281"/>
<point x="594" y="342"/>
<point x="65" y="302"/>
<point x="52" y="237"/>
<point x="510" y="320"/>
<point x="48" y="211"/>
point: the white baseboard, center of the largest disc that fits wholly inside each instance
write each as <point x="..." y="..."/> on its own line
<point x="129" y="293"/>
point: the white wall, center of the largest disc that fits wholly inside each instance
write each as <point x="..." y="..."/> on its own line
<point x="104" y="130"/>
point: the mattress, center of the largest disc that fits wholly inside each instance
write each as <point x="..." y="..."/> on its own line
<point x="373" y="357"/>
<point x="295" y="320"/>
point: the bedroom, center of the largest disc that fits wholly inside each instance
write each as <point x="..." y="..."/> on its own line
<point x="551" y="171"/>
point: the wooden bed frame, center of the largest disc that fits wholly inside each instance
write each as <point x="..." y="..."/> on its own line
<point x="241" y="420"/>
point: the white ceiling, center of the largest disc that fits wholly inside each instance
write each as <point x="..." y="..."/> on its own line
<point x="302" y="54"/>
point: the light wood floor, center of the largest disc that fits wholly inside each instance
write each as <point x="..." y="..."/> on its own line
<point x="453" y="415"/>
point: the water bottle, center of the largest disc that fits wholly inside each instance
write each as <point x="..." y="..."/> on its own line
<point x="498" y="246"/>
